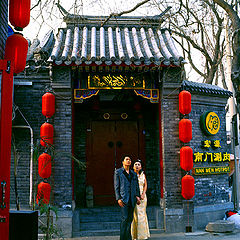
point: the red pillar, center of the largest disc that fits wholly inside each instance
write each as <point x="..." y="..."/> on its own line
<point x="73" y="132"/>
<point x="5" y="145"/>
<point x="160" y="147"/>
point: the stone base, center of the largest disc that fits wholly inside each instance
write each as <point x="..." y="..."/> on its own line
<point x="64" y="222"/>
<point x="177" y="220"/>
<point x="220" y="226"/>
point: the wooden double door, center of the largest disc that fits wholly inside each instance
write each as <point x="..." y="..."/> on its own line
<point x="107" y="142"/>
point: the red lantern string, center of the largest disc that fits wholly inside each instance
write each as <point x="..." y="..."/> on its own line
<point x="184" y="102"/>
<point x="186" y="152"/>
<point x="46" y="134"/>
<point x="44" y="165"/>
<point x="44" y="160"/>
<point x="186" y="158"/>
<point x="185" y="130"/>
<point x="188" y="189"/>
<point x="16" y="51"/>
<point x="43" y="193"/>
<point x="48" y="104"/>
<point x="19" y="13"/>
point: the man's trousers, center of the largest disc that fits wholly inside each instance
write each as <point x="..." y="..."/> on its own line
<point x="126" y="221"/>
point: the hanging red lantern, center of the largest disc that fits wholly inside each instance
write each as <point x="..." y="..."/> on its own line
<point x="43" y="193"/>
<point x="48" y="104"/>
<point x="44" y="165"/>
<point x="16" y="50"/>
<point x="46" y="134"/>
<point x="185" y="130"/>
<point x="186" y="158"/>
<point x="188" y="189"/>
<point x="184" y="102"/>
<point x="19" y="13"/>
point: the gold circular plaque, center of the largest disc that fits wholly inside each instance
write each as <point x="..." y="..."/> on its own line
<point x="212" y="123"/>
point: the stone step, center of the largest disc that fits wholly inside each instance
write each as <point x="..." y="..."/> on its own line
<point x="103" y="221"/>
<point x="95" y="226"/>
<point x="100" y="218"/>
<point x="106" y="217"/>
<point x="96" y="233"/>
<point x="104" y="214"/>
<point x="97" y="210"/>
<point x="107" y="209"/>
<point x="99" y="226"/>
<point x="107" y="232"/>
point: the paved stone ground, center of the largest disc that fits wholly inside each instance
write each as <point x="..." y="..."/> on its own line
<point x="176" y="236"/>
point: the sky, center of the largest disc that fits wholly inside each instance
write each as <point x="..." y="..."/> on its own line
<point x="53" y="18"/>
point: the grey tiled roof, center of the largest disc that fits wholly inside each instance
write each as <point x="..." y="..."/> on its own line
<point x="122" y="41"/>
<point x="204" y="88"/>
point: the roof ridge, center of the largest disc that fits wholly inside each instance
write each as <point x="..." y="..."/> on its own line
<point x="112" y="46"/>
<point x="119" y="20"/>
<point x="205" y="88"/>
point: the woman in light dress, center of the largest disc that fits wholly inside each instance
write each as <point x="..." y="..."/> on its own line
<point x="139" y="228"/>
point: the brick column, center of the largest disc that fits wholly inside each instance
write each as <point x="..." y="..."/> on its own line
<point x="62" y="169"/>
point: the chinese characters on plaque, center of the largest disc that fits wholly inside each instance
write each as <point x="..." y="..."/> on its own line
<point x="211" y="157"/>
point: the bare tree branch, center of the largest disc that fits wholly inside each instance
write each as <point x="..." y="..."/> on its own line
<point x="124" y="12"/>
<point x="36" y="5"/>
<point x="190" y="57"/>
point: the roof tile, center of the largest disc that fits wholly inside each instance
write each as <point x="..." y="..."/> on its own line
<point x="114" y="44"/>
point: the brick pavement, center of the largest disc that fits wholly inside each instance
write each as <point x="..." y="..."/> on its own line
<point x="201" y="235"/>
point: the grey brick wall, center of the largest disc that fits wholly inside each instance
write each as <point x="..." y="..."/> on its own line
<point x="172" y="170"/>
<point x="3" y="25"/>
<point x="63" y="136"/>
<point x="150" y="116"/>
<point x="28" y="100"/>
<point x="63" y="144"/>
<point x="171" y="143"/>
<point x="209" y="189"/>
<point x="80" y="125"/>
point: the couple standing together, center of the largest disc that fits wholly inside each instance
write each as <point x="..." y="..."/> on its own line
<point x="130" y="190"/>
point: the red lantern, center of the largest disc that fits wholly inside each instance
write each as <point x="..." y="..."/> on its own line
<point x="46" y="134"/>
<point x="48" y="104"/>
<point x="43" y="193"/>
<point x="186" y="158"/>
<point x="185" y="130"/>
<point x="184" y="102"/>
<point x="188" y="189"/>
<point x="16" y="50"/>
<point x="44" y="165"/>
<point x="19" y="13"/>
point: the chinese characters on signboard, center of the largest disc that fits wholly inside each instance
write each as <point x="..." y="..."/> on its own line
<point x="210" y="124"/>
<point x="115" y="81"/>
<point x="211" y="157"/>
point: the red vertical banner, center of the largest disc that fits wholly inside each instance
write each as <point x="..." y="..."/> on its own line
<point x="5" y="145"/>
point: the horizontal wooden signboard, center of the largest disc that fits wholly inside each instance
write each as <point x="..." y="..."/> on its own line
<point x="211" y="170"/>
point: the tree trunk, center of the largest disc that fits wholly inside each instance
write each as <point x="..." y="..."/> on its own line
<point x="235" y="46"/>
<point x="211" y="74"/>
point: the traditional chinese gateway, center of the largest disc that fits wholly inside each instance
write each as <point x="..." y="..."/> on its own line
<point x="116" y="87"/>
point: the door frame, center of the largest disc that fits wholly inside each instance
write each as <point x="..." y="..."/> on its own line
<point x="141" y="141"/>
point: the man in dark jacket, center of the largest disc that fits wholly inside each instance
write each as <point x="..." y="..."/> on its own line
<point x="127" y="195"/>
